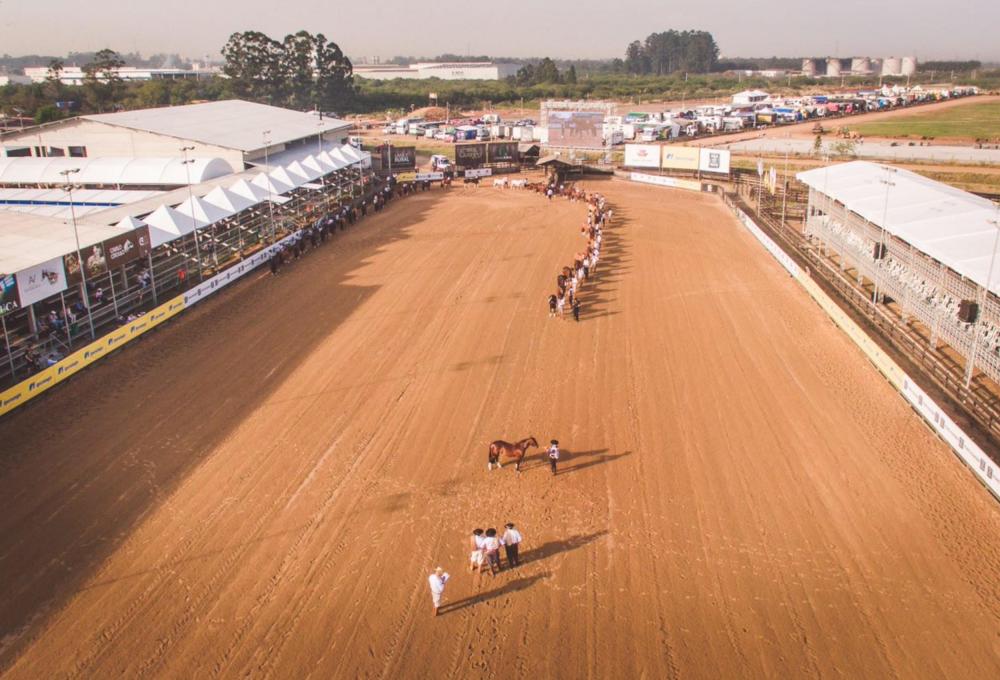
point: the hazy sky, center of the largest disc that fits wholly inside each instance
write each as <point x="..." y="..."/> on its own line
<point x="929" y="29"/>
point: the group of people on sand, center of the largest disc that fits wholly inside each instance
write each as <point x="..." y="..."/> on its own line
<point x="570" y="279"/>
<point x="485" y="545"/>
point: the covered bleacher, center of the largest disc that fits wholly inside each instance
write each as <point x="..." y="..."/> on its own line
<point x="925" y="247"/>
<point x="57" y="294"/>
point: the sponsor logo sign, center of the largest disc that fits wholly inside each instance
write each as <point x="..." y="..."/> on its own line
<point x="672" y="182"/>
<point x="642" y="155"/>
<point x="478" y="172"/>
<point x="681" y="158"/>
<point x="406" y="177"/>
<point x="714" y="160"/>
<point x="39" y="282"/>
<point x="8" y="294"/>
<point x="502" y="152"/>
<point x="429" y="176"/>
<point x="470" y="155"/>
<point x="123" y="249"/>
<point x="399" y="158"/>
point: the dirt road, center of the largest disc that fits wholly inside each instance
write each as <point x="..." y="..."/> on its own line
<point x="262" y="488"/>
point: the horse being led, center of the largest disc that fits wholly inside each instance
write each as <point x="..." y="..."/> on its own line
<point x="501" y="448"/>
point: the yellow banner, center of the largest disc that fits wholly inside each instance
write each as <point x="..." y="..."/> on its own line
<point x="680" y="157"/>
<point x="406" y="177"/>
<point x="83" y="357"/>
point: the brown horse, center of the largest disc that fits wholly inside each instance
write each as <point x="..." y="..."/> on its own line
<point x="501" y="448"/>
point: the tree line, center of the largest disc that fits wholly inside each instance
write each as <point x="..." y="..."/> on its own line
<point x="672" y="52"/>
<point x="301" y="71"/>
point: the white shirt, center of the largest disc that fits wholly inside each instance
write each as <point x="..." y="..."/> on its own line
<point x="480" y="542"/>
<point x="554" y="452"/>
<point x="491" y="543"/>
<point x="512" y="537"/>
<point x="437" y="582"/>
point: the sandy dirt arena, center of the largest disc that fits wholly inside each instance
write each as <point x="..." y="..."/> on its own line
<point x="261" y="488"/>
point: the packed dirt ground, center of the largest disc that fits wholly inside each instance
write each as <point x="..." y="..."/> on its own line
<point x="261" y="488"/>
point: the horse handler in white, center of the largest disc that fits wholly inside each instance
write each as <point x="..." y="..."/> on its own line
<point x="437" y="582"/>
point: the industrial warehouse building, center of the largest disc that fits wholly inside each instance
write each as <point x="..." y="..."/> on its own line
<point x="474" y="70"/>
<point x="239" y="132"/>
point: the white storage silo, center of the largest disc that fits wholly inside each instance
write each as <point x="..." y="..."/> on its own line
<point x="892" y="66"/>
<point x="909" y="66"/>
<point x="809" y="67"/>
<point x="833" y="68"/>
<point x="861" y="66"/>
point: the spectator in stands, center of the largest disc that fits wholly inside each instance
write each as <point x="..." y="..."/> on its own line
<point x="181" y="278"/>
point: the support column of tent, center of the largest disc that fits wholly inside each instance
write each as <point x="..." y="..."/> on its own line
<point x="10" y="354"/>
<point x="152" y="276"/>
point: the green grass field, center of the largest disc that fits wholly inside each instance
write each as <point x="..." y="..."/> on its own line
<point x="971" y="121"/>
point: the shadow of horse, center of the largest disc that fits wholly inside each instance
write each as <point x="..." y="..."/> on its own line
<point x="506" y="589"/>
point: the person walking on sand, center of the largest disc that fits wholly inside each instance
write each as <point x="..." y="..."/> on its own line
<point x="491" y="546"/>
<point x="560" y="305"/>
<point x="576" y="309"/>
<point x="511" y="540"/>
<point x="554" y="455"/>
<point x="552" y="306"/>
<point x="476" y="556"/>
<point x="437" y="581"/>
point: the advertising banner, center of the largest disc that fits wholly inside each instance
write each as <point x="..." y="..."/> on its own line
<point x="399" y="158"/>
<point x="503" y="152"/>
<point x="472" y="173"/>
<point x="53" y="375"/>
<point x="714" y="160"/>
<point x="406" y="177"/>
<point x="470" y="155"/>
<point x="429" y="176"/>
<point x="660" y="180"/>
<point x="681" y="158"/>
<point x="8" y="294"/>
<point x="127" y="247"/>
<point x="39" y="282"/>
<point x="94" y="262"/>
<point x="642" y="156"/>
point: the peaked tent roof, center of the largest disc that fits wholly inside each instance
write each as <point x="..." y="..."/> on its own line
<point x="269" y="183"/>
<point x="232" y="124"/>
<point x="281" y="174"/>
<point x="256" y="191"/>
<point x="300" y="170"/>
<point x="229" y="200"/>
<point x="952" y="226"/>
<point x="170" y="224"/>
<point x="202" y="210"/>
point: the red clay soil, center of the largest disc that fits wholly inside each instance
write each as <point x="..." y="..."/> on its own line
<point x="261" y="488"/>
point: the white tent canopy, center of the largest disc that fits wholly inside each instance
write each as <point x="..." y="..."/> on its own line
<point x="952" y="226"/>
<point x="268" y="183"/>
<point x="282" y="175"/>
<point x="111" y="170"/>
<point x="202" y="210"/>
<point x="229" y="200"/>
<point x="297" y="169"/>
<point x="166" y="224"/>
<point x="256" y="192"/>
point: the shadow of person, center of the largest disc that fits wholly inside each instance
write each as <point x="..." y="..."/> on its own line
<point x="599" y="459"/>
<point x="506" y="589"/>
<point x="551" y="548"/>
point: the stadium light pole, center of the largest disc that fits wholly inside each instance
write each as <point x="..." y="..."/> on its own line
<point x="79" y="256"/>
<point x="267" y="171"/>
<point x="971" y="363"/>
<point x="194" y="224"/>
<point x="889" y="183"/>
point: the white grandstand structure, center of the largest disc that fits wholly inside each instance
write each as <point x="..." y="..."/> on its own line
<point x="927" y="247"/>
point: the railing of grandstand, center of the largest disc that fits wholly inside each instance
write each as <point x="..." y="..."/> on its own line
<point x="831" y="259"/>
<point x="174" y="267"/>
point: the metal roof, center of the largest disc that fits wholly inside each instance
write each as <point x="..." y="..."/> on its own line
<point x="232" y="124"/>
<point x="952" y="226"/>
<point x="111" y="170"/>
<point x="27" y="240"/>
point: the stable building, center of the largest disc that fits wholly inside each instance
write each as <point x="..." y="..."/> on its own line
<point x="239" y="132"/>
